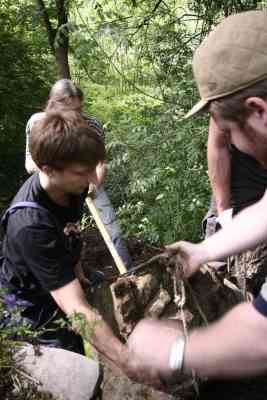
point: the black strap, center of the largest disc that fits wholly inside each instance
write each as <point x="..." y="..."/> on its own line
<point x="16" y="206"/>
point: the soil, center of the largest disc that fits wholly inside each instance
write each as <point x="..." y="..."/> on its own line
<point x="214" y="300"/>
<point x="116" y="386"/>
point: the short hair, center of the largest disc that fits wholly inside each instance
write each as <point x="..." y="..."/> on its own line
<point x="62" y="93"/>
<point x="64" y="137"/>
<point x="233" y="107"/>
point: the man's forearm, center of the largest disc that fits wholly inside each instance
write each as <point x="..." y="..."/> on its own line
<point x="233" y="346"/>
<point x="99" y="334"/>
<point x="89" y="324"/>
<point x="219" y="167"/>
<point x="219" y="174"/>
<point x="247" y="230"/>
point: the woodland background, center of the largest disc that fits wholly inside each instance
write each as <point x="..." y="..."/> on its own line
<point x="133" y="61"/>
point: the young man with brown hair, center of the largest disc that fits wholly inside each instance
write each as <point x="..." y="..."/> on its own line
<point x="66" y="95"/>
<point x="41" y="245"/>
<point x="230" y="60"/>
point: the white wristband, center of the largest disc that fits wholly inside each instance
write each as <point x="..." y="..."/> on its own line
<point x="176" y="357"/>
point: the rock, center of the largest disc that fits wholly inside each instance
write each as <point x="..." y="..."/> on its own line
<point x="158" y="304"/>
<point x="66" y="375"/>
<point x="130" y="296"/>
<point x="126" y="310"/>
<point x="147" y="285"/>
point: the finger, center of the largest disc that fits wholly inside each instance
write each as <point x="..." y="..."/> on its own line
<point x="173" y="248"/>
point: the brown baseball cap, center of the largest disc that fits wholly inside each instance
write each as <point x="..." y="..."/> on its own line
<point x="232" y="57"/>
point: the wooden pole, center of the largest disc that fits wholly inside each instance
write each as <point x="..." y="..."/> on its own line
<point x="99" y="223"/>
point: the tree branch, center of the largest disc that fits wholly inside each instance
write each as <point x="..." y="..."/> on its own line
<point x="51" y="33"/>
<point x="61" y="12"/>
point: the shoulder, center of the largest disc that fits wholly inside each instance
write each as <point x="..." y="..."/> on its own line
<point x="91" y="120"/>
<point x="26" y="210"/>
<point x="31" y="230"/>
<point x="34" y="118"/>
<point x="32" y="219"/>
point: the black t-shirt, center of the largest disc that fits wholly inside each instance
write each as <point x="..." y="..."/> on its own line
<point x="248" y="180"/>
<point x="39" y="256"/>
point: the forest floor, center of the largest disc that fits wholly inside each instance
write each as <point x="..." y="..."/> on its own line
<point x="115" y="385"/>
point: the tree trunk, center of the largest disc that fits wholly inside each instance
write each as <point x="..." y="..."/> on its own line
<point x="58" y="38"/>
<point x="61" y="54"/>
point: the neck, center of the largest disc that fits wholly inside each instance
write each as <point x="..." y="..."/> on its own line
<point x="54" y="193"/>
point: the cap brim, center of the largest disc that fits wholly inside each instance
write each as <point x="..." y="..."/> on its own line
<point x="197" y="107"/>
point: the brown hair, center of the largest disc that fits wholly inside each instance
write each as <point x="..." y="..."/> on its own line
<point x="64" y="137"/>
<point x="233" y="107"/>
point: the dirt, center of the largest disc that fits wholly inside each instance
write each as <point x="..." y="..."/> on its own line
<point x="214" y="300"/>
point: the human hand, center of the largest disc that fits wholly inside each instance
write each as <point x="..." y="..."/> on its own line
<point x="149" y="347"/>
<point x="188" y="255"/>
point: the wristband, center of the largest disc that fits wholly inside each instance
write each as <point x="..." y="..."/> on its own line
<point x="176" y="357"/>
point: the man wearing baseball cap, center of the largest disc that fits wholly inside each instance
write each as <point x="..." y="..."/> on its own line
<point x="238" y="178"/>
<point x="230" y="68"/>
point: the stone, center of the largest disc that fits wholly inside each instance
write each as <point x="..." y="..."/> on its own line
<point x="147" y="285"/>
<point x="130" y="296"/>
<point x="65" y="374"/>
<point x="158" y="304"/>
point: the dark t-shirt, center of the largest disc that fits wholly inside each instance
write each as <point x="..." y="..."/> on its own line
<point x="248" y="180"/>
<point x="39" y="256"/>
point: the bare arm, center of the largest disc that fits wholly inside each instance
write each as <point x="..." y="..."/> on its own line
<point x="233" y="346"/>
<point x="70" y="298"/>
<point x="247" y="229"/>
<point x="219" y="166"/>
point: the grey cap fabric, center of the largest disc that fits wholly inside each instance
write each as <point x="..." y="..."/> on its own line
<point x="232" y="57"/>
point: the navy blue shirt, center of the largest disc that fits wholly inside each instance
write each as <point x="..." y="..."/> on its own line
<point x="39" y="256"/>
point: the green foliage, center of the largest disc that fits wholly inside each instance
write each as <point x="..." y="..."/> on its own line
<point x="25" y="75"/>
<point x="157" y="164"/>
<point x="211" y="12"/>
<point x="167" y="192"/>
<point x="14" y="383"/>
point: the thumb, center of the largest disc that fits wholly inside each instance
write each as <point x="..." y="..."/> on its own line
<point x="173" y="248"/>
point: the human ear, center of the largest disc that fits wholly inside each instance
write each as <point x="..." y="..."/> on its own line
<point x="46" y="169"/>
<point x="258" y="106"/>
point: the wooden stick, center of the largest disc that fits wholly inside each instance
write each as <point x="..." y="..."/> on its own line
<point x="99" y="223"/>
